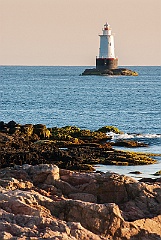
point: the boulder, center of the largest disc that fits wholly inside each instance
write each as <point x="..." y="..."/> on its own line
<point x="41" y="131"/>
<point x="11" y="124"/>
<point x="94" y="217"/>
<point x="27" y="129"/>
<point x="43" y="173"/>
<point x="2" y="125"/>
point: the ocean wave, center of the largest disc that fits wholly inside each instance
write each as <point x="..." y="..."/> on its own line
<point x="115" y="136"/>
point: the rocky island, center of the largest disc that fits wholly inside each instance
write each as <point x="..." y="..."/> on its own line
<point x="110" y="72"/>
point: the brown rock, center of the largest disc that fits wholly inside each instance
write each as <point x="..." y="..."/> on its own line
<point x="27" y="129"/>
<point x="94" y="205"/>
<point x="129" y="144"/>
<point x="25" y="224"/>
<point x="43" y="173"/>
<point x="85" y="197"/>
<point x="41" y="131"/>
<point x="94" y="217"/>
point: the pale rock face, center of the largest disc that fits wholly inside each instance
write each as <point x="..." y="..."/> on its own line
<point x="45" y="202"/>
<point x="44" y="173"/>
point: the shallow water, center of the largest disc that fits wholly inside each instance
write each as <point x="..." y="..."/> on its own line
<point x="146" y="171"/>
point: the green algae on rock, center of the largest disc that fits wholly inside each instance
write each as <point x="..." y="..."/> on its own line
<point x="68" y="147"/>
<point x="129" y="144"/>
<point x="77" y="135"/>
<point x="106" y="129"/>
<point x="157" y="173"/>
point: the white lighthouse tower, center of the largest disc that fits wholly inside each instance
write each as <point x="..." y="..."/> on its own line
<point x="106" y="59"/>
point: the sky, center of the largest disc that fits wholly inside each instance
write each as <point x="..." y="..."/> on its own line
<point x="65" y="32"/>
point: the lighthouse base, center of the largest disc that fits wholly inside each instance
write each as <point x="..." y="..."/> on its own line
<point x="106" y="63"/>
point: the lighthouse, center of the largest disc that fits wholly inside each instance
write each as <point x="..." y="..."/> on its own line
<point x="107" y="62"/>
<point x="106" y="58"/>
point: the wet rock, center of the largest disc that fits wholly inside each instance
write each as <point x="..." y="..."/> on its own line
<point x="41" y="131"/>
<point x="135" y="172"/>
<point x="67" y="147"/>
<point x="74" y="135"/>
<point x="157" y="173"/>
<point x="150" y="180"/>
<point x="27" y="129"/>
<point x="129" y="143"/>
<point x="2" y="125"/>
<point x="106" y="129"/>
<point x="11" y="124"/>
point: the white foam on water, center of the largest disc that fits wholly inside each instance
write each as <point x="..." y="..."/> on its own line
<point x="148" y="136"/>
<point x="115" y="136"/>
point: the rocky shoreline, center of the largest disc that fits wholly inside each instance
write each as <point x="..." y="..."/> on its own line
<point x="42" y="198"/>
<point x="45" y="202"/>
<point x="67" y="147"/>
<point x="110" y="72"/>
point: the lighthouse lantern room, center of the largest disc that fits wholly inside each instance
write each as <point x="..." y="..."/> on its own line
<point x="106" y="58"/>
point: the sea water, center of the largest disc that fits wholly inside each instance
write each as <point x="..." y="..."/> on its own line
<point x="60" y="96"/>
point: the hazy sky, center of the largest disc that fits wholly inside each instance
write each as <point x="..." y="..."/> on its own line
<point x="65" y="32"/>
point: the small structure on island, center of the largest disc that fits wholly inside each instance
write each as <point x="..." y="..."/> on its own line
<point x="107" y="62"/>
<point x="106" y="59"/>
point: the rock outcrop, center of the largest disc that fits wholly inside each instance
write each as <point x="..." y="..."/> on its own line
<point x="45" y="202"/>
<point x="68" y="147"/>
<point x="110" y="72"/>
<point x="129" y="144"/>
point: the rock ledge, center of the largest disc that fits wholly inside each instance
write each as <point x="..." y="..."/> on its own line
<point x="45" y="202"/>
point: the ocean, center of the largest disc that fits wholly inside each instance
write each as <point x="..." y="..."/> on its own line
<point x="60" y="96"/>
